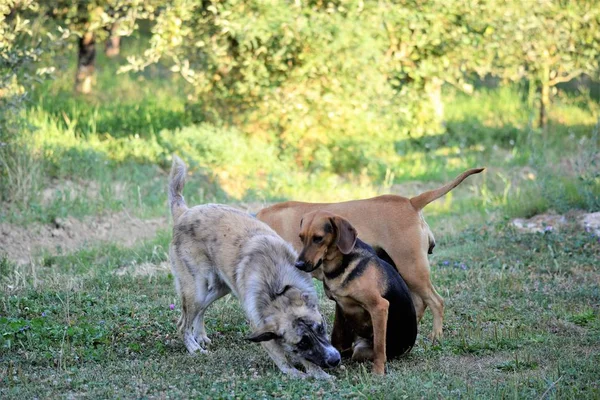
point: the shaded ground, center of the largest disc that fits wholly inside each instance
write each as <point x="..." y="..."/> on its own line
<point x="20" y="244"/>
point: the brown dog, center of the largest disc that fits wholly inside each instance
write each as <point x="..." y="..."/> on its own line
<point x="393" y="225"/>
<point x="374" y="310"/>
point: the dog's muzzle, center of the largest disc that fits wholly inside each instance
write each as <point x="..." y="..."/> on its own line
<point x="304" y="266"/>
<point x="333" y="359"/>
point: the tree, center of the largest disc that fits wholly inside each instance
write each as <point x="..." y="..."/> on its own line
<point x="431" y="44"/>
<point x="20" y="53"/>
<point x="547" y="42"/>
<point x="95" y="21"/>
<point x="301" y="70"/>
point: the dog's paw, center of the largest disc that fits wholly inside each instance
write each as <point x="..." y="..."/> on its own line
<point x="322" y="375"/>
<point x="362" y="351"/>
<point x="435" y="337"/>
<point x="192" y="346"/>
<point x="294" y="373"/>
<point x="203" y="340"/>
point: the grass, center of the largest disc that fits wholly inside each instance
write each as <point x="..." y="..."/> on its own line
<point x="522" y="310"/>
<point x="521" y="321"/>
<point x="125" y="134"/>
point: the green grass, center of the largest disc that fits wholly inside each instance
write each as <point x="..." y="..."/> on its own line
<point x="519" y="318"/>
<point x="522" y="310"/>
<point x="125" y="133"/>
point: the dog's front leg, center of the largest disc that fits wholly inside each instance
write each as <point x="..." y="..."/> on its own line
<point x="342" y="333"/>
<point x="314" y="370"/>
<point x="379" y="316"/>
<point x="278" y="356"/>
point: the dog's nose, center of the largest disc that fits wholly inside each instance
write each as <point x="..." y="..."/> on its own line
<point x="301" y="265"/>
<point x="333" y="360"/>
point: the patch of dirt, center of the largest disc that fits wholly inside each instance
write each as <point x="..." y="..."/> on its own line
<point x="20" y="244"/>
<point x="539" y="223"/>
<point x="591" y="223"/>
<point x="81" y="188"/>
<point x="144" y="269"/>
<point x="548" y="222"/>
<point x="564" y="328"/>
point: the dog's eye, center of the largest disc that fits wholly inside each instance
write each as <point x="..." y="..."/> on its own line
<point x="317" y="239"/>
<point x="303" y="344"/>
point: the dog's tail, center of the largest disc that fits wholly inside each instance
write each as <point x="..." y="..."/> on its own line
<point x="420" y="201"/>
<point x="176" y="183"/>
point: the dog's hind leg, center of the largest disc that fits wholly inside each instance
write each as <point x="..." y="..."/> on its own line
<point x="197" y="293"/>
<point x="191" y="309"/>
<point x="186" y="288"/>
<point x="436" y="303"/>
<point x="362" y="350"/>
<point x="420" y="306"/>
<point x="415" y="271"/>
<point x="212" y="289"/>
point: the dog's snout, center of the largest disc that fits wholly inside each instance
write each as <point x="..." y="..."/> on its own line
<point x="333" y="360"/>
<point x="301" y="265"/>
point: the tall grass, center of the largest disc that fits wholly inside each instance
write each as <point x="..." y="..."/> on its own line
<point x="124" y="136"/>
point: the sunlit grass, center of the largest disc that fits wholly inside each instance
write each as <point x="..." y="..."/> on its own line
<point x="127" y="130"/>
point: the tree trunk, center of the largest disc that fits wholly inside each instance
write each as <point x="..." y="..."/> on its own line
<point x="434" y="91"/>
<point x="86" y="63"/>
<point x="544" y="105"/>
<point x="532" y="93"/>
<point x="113" y="43"/>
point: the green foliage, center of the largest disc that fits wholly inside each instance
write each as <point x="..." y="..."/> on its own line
<point x="97" y="16"/>
<point x="284" y="71"/>
<point x="584" y="318"/>
<point x="20" y="51"/>
<point x="307" y="100"/>
<point x="547" y="41"/>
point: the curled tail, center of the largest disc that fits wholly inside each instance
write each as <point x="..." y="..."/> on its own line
<point x="176" y="183"/>
<point x="420" y="201"/>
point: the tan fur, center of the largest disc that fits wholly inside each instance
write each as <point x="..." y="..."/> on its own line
<point x="357" y="283"/>
<point x="216" y="250"/>
<point x="392" y="223"/>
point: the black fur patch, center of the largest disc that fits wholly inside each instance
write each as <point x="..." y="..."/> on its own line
<point x="346" y="260"/>
<point x="381" y="253"/>
<point x="431" y="246"/>
<point x="358" y="270"/>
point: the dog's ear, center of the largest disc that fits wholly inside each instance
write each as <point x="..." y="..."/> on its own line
<point x="263" y="334"/>
<point x="346" y="234"/>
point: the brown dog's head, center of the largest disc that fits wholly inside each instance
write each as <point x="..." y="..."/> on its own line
<point x="322" y="232"/>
